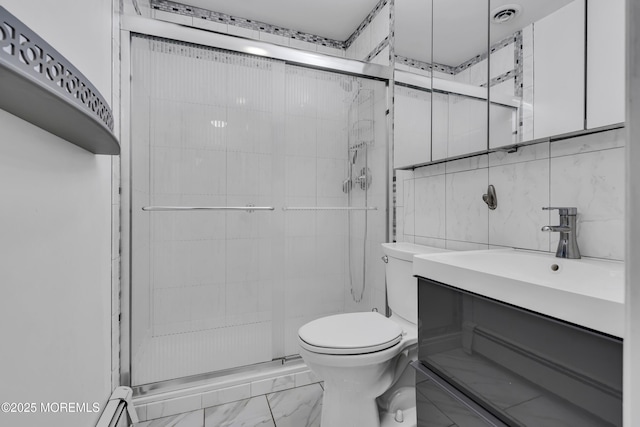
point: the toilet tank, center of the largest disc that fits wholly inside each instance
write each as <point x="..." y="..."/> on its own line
<point x="402" y="287"/>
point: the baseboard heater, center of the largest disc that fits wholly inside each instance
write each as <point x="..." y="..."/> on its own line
<point x="119" y="411"/>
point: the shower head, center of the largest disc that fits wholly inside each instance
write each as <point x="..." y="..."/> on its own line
<point x="354" y="156"/>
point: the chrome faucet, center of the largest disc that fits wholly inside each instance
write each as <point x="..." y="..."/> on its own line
<point x="568" y="245"/>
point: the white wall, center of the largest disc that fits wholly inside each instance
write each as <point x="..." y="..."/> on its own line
<point x="56" y="237"/>
<point x="441" y="205"/>
<point x="632" y="298"/>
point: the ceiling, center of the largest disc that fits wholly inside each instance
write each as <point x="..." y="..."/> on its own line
<point x="334" y="19"/>
<point x="458" y="33"/>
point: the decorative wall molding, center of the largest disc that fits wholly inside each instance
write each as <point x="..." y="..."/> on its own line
<point x="516" y="39"/>
<point x="223" y="18"/>
<point x="384" y="43"/>
<point x="41" y="86"/>
<point x="425" y="66"/>
<point x="370" y="17"/>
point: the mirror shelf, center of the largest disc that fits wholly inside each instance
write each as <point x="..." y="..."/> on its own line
<point x="514" y="147"/>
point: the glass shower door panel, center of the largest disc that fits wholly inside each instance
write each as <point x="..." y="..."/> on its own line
<point x="202" y="135"/>
<point x="324" y="114"/>
<point x="315" y="154"/>
<point x="367" y="228"/>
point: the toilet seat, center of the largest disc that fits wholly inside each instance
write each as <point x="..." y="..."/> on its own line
<point x="350" y="334"/>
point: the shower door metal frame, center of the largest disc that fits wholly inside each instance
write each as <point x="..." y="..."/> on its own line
<point x="138" y="25"/>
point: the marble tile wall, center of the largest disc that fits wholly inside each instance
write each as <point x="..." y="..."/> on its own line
<point x="441" y="204"/>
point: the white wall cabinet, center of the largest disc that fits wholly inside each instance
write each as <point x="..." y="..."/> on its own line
<point x="605" y="63"/>
<point x="412" y="127"/>
<point x="559" y="96"/>
<point x="556" y="68"/>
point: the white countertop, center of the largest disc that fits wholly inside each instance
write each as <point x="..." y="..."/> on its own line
<point x="587" y="292"/>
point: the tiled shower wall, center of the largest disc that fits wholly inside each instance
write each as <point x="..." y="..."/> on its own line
<point x="441" y="205"/>
<point x="263" y="133"/>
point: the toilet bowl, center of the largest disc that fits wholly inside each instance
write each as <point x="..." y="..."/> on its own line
<point x="360" y="356"/>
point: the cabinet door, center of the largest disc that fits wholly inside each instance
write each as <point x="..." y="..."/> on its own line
<point x="605" y="63"/>
<point x="537" y="70"/>
<point x="558" y="71"/>
<point x="524" y="368"/>
<point x="460" y="67"/>
<point x="412" y="126"/>
<point x="412" y="91"/>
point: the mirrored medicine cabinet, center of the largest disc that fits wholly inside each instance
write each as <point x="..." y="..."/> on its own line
<point x="476" y="76"/>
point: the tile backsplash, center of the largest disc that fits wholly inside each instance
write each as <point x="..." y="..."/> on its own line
<point x="441" y="204"/>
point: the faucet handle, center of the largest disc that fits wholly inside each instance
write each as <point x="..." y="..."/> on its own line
<point x="562" y="210"/>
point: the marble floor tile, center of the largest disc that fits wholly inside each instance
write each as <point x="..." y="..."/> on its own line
<point x="252" y="412"/>
<point x="298" y="407"/>
<point x="500" y="386"/>
<point x="188" y="419"/>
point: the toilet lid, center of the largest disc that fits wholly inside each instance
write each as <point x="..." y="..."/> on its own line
<point x="351" y="333"/>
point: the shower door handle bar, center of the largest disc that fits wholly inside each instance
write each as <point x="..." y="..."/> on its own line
<point x="207" y="208"/>
<point x="330" y="208"/>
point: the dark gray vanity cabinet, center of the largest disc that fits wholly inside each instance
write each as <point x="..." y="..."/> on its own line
<point x="484" y="362"/>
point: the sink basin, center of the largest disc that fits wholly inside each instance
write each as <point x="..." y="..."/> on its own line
<point x="586" y="292"/>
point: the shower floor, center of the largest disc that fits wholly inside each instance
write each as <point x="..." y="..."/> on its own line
<point x="296" y="407"/>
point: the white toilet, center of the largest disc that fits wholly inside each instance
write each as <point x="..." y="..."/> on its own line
<point x="360" y="356"/>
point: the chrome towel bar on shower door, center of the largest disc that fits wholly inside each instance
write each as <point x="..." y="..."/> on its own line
<point x="330" y="208"/>
<point x="207" y="208"/>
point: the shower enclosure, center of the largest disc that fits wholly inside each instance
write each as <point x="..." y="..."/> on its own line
<point x="258" y="203"/>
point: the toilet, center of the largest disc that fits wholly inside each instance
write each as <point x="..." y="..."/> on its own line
<point x="363" y="358"/>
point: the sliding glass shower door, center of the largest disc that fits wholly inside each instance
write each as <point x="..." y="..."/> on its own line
<point x="241" y="227"/>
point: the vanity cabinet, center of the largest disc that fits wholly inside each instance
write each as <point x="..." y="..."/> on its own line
<point x="520" y="367"/>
